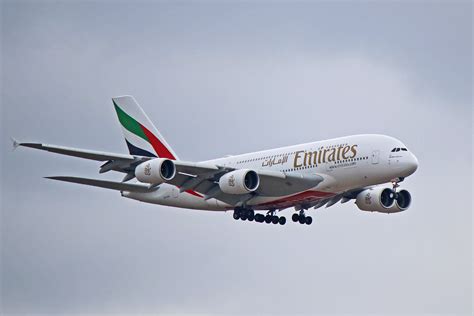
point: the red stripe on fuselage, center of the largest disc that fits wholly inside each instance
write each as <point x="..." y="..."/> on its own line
<point x="193" y="193"/>
<point x="307" y="195"/>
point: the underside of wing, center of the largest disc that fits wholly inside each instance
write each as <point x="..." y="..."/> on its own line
<point x="76" y="152"/>
<point x="117" y="162"/>
<point x="120" y="186"/>
<point x="204" y="178"/>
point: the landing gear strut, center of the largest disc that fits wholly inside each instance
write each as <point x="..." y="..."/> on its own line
<point x="302" y="218"/>
<point x="395" y="183"/>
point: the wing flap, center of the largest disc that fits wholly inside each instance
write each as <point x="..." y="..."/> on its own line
<point x="276" y="183"/>
<point x="132" y="187"/>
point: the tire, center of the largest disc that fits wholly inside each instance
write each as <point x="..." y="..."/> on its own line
<point x="309" y="220"/>
<point x="236" y="215"/>
<point x="275" y="219"/>
<point x="259" y="218"/>
<point x="250" y="216"/>
<point x="282" y="220"/>
<point x="302" y="219"/>
<point x="243" y="217"/>
<point x="268" y="219"/>
<point x="295" y="217"/>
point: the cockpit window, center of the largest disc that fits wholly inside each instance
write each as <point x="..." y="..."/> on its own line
<point x="398" y="149"/>
<point x="404" y="149"/>
<point x="393" y="150"/>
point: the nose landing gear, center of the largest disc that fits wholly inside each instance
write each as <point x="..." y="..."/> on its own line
<point x="395" y="185"/>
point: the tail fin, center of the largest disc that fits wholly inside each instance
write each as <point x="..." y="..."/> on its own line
<point x="141" y="136"/>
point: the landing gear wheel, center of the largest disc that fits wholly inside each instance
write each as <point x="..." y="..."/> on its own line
<point x="250" y="216"/>
<point x="268" y="219"/>
<point x="308" y="220"/>
<point x="259" y="218"/>
<point x="275" y="219"/>
<point x="243" y="216"/>
<point x="302" y="219"/>
<point x="282" y="220"/>
<point x="236" y="215"/>
<point x="295" y="217"/>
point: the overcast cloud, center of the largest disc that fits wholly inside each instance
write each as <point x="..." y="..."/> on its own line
<point x="223" y="79"/>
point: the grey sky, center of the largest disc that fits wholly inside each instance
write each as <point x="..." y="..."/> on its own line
<point x="230" y="78"/>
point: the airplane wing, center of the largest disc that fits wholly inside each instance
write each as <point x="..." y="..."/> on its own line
<point x="76" y="152"/>
<point x="343" y="197"/>
<point x="204" y="177"/>
<point x="199" y="178"/>
<point x="120" y="186"/>
<point x="116" y="162"/>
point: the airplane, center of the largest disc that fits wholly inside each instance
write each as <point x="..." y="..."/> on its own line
<point x="255" y="186"/>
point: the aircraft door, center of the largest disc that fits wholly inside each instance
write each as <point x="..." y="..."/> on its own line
<point x="375" y="157"/>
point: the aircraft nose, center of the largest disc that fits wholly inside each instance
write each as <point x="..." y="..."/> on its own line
<point x="412" y="164"/>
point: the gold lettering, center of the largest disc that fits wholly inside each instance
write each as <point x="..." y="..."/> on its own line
<point x="332" y="155"/>
<point x="354" y="151"/>
<point x="308" y="160"/>
<point x="345" y="150"/>
<point x="324" y="154"/>
<point x="339" y="153"/>
<point x="315" y="156"/>
<point x="295" y="162"/>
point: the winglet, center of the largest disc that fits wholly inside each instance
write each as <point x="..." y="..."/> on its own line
<point x="15" y="143"/>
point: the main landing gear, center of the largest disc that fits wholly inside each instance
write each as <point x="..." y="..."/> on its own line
<point x="270" y="218"/>
<point x="248" y="214"/>
<point x="302" y="218"/>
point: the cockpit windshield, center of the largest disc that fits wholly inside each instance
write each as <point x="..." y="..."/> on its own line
<point x="398" y="149"/>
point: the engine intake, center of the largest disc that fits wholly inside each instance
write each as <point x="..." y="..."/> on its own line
<point x="239" y="182"/>
<point x="383" y="200"/>
<point x="155" y="171"/>
<point x="403" y="199"/>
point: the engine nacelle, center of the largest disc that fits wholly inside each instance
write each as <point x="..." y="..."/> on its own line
<point x="239" y="181"/>
<point x="155" y="171"/>
<point x="383" y="200"/>
<point x="403" y="200"/>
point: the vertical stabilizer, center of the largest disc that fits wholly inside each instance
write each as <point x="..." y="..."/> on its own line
<point x="141" y="136"/>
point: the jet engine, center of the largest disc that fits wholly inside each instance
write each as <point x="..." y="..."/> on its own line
<point x="155" y="171"/>
<point x="383" y="200"/>
<point x="239" y="181"/>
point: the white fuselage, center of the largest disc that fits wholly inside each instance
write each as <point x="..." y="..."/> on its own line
<point x="345" y="163"/>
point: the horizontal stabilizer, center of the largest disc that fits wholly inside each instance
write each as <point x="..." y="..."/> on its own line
<point x="131" y="187"/>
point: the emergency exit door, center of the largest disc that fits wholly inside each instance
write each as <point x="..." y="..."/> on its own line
<point x="375" y="157"/>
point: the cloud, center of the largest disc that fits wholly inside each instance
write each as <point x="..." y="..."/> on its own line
<point x="69" y="248"/>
